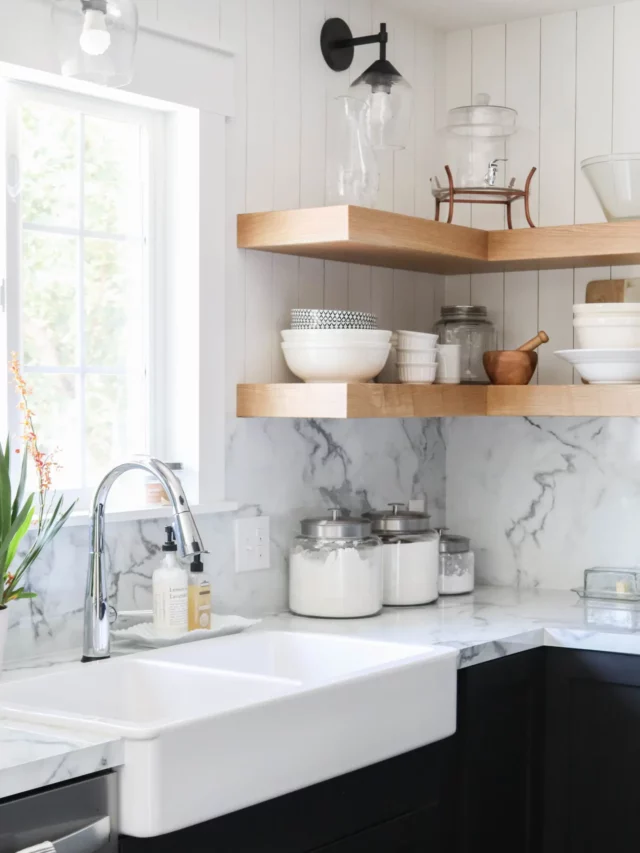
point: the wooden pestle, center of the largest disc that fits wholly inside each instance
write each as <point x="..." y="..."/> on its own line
<point x="534" y="343"/>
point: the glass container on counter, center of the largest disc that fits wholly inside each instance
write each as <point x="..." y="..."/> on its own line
<point x="335" y="568"/>
<point x="469" y="327"/>
<point x="409" y="556"/>
<point x="457" y="565"/>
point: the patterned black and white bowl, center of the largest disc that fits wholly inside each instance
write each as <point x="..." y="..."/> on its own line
<point x="324" y="318"/>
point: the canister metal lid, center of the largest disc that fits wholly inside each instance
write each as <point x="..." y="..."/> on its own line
<point x="452" y="544"/>
<point x="338" y="525"/>
<point x="398" y="520"/>
<point x="464" y="312"/>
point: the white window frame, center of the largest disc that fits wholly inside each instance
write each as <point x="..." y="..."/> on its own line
<point x="154" y="318"/>
<point x="192" y="83"/>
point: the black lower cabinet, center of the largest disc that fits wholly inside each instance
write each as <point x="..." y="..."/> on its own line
<point x="546" y="759"/>
<point x="499" y="748"/>
<point x="592" y="766"/>
<point x="397" y="806"/>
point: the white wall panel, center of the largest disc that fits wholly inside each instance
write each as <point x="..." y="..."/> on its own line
<point x="488" y="75"/>
<point x="523" y="94"/>
<point x="260" y="105"/>
<point x="197" y="20"/>
<point x="626" y="73"/>
<point x="556" y="318"/>
<point x="594" y="101"/>
<point x="233" y="32"/>
<point x="557" y="118"/>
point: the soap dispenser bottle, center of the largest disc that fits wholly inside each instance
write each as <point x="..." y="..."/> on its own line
<point x="199" y="597"/>
<point x="170" y="592"/>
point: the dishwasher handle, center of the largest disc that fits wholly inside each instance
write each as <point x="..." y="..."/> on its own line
<point x="91" y="839"/>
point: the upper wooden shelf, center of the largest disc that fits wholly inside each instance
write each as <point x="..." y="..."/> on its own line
<point x="359" y="235"/>
<point x="370" y="400"/>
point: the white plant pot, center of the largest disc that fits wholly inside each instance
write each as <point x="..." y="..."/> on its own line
<point x="4" y="627"/>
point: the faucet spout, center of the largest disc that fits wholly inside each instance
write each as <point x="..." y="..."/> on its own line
<point x="97" y="638"/>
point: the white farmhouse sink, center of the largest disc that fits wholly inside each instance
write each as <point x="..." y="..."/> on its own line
<point x="219" y="725"/>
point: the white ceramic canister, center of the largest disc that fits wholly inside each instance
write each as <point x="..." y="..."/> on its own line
<point x="457" y="565"/>
<point x="335" y="568"/>
<point x="410" y="556"/>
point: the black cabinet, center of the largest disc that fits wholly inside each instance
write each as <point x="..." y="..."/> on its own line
<point x="592" y="772"/>
<point x="397" y="806"/>
<point x="499" y="747"/>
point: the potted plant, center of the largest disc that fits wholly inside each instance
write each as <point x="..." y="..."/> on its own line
<point x="28" y="522"/>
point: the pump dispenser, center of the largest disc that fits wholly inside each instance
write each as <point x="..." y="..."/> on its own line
<point x="170" y="591"/>
<point x="199" y="597"/>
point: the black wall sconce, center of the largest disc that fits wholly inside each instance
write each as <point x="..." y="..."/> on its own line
<point x="387" y="93"/>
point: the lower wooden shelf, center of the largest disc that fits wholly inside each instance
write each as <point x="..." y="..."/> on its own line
<point x="370" y="400"/>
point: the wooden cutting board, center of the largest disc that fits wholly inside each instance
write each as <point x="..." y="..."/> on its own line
<point x="614" y="290"/>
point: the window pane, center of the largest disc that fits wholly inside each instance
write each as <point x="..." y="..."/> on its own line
<point x="57" y="421"/>
<point x="112" y="176"/>
<point x="49" y="164"/>
<point x="106" y="424"/>
<point x="49" y="320"/>
<point x="105" y="302"/>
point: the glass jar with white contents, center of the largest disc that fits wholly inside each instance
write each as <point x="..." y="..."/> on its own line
<point x="457" y="565"/>
<point x="335" y="568"/>
<point x="409" y="556"/>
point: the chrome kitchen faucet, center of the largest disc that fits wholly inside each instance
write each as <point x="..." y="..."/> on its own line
<point x="96" y="603"/>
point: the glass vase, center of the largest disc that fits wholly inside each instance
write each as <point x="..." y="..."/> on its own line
<point x="352" y="169"/>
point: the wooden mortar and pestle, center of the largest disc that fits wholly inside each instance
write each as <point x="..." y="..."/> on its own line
<point x="514" y="367"/>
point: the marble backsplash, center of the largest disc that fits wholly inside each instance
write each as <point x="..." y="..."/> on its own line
<point x="285" y="469"/>
<point x="543" y="499"/>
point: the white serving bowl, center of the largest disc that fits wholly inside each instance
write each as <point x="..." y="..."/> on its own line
<point x="607" y="332"/>
<point x="419" y="356"/>
<point x="417" y="374"/>
<point x="605" y="366"/>
<point x="607" y="309"/>
<point x="330" y="363"/>
<point x="336" y="336"/>
<point x="416" y="340"/>
<point x="615" y="179"/>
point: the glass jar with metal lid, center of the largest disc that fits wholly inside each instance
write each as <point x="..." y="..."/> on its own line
<point x="409" y="556"/>
<point x="469" y="327"/>
<point x="335" y="568"/>
<point x="457" y="564"/>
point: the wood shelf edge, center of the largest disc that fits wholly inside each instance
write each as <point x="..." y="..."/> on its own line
<point x="371" y="400"/>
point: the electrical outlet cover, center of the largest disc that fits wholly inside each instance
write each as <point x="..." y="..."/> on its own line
<point x="253" y="550"/>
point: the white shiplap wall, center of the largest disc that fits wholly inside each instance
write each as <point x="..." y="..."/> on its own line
<point x="573" y="77"/>
<point x="277" y="153"/>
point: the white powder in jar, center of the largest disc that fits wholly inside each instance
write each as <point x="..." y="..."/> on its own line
<point x="336" y="583"/>
<point x="410" y="572"/>
<point x="457" y="573"/>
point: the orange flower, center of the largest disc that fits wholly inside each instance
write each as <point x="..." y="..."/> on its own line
<point x="45" y="463"/>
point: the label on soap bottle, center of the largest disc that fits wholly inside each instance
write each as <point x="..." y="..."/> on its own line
<point x="200" y="606"/>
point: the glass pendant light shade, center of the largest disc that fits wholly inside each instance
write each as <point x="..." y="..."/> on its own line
<point x="96" y="39"/>
<point x="390" y="101"/>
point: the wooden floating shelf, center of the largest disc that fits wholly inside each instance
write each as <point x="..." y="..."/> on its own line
<point x="369" y="400"/>
<point x="359" y="235"/>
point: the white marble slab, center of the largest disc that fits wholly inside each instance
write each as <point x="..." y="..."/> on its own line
<point x="33" y="757"/>
<point x="543" y="499"/>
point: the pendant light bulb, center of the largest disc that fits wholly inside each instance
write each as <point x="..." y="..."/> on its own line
<point x="95" y="39"/>
<point x="381" y="112"/>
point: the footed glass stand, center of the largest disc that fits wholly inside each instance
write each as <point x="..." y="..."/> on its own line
<point x="453" y="195"/>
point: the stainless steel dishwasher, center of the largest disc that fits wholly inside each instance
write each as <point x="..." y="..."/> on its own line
<point x="78" y="817"/>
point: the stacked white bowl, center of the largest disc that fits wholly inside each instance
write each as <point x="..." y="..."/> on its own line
<point x="416" y="357"/>
<point x="607" y="336"/>
<point x="336" y="354"/>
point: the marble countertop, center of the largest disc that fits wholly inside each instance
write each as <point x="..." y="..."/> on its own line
<point x="33" y="757"/>
<point x="489" y="624"/>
